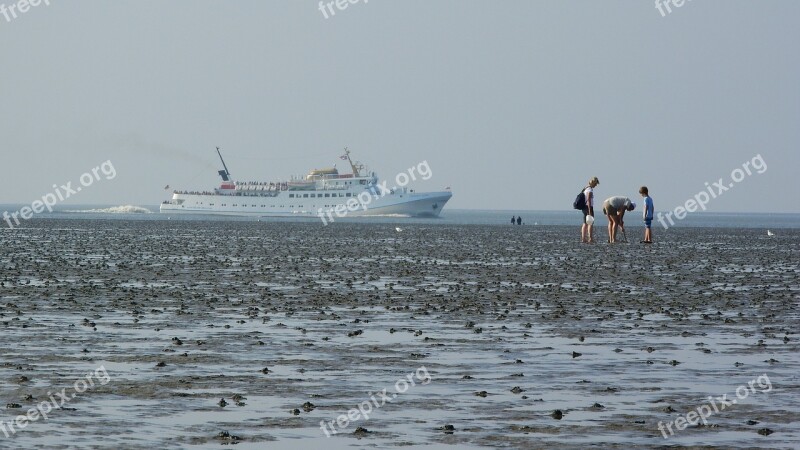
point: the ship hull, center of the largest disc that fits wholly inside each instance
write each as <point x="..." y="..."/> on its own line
<point x="429" y="204"/>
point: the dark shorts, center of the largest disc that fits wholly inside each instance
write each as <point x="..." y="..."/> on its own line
<point x="585" y="212"/>
<point x="648" y="223"/>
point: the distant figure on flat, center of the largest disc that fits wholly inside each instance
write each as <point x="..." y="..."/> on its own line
<point x="519" y="220"/>
<point x="513" y="220"/>
<point x="614" y="208"/>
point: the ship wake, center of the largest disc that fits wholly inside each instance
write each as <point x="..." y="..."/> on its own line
<point x="124" y="209"/>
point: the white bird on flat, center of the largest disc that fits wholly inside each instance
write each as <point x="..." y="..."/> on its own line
<point x="770" y="233"/>
<point x="399" y="230"/>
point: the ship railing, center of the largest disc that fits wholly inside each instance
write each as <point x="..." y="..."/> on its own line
<point x="262" y="186"/>
<point x="195" y="193"/>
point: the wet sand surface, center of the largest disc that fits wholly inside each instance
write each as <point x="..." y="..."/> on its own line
<point x="248" y="333"/>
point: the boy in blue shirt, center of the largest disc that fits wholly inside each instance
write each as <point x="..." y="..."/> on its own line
<point x="647" y="215"/>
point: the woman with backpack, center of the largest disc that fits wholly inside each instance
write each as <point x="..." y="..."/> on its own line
<point x="587" y="210"/>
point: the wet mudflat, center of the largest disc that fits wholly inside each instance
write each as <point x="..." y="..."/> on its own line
<point x="248" y="333"/>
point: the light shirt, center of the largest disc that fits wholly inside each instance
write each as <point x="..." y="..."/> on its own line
<point x="618" y="202"/>
<point x="649" y="209"/>
<point x="589" y="200"/>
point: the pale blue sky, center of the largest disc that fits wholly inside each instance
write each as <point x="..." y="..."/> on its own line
<point x="514" y="104"/>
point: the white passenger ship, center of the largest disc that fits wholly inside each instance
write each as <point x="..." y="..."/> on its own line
<point x="321" y="192"/>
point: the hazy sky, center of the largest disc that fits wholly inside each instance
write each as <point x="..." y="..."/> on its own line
<point x="514" y="103"/>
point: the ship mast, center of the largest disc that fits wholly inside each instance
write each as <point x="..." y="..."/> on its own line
<point x="225" y="174"/>
<point x="352" y="165"/>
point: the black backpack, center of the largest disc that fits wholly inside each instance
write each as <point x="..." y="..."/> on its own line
<point x="580" y="201"/>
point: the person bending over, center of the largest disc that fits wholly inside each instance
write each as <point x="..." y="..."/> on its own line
<point x="614" y="208"/>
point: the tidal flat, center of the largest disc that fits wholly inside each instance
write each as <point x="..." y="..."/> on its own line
<point x="253" y="334"/>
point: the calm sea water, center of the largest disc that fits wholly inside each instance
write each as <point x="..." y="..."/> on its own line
<point x="449" y="217"/>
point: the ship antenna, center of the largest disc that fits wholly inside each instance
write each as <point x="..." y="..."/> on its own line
<point x="226" y="175"/>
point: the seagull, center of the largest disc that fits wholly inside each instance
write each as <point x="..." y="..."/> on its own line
<point x="770" y="233"/>
<point x="399" y="230"/>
